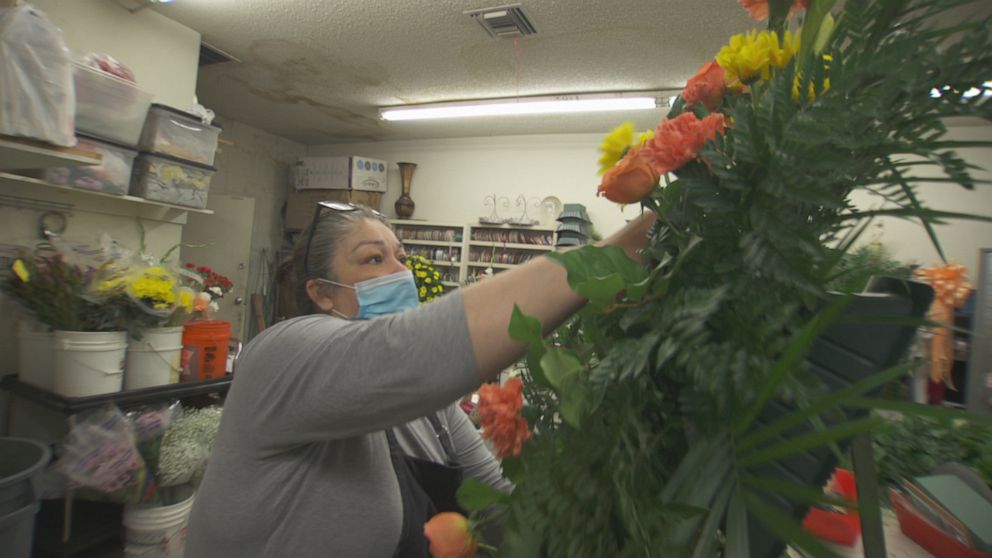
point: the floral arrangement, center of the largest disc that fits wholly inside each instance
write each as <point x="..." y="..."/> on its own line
<point x="641" y="412"/>
<point x="211" y="287"/>
<point x="66" y="295"/>
<point x="428" y="279"/>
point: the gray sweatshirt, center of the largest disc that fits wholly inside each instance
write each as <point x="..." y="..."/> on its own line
<point x="301" y="463"/>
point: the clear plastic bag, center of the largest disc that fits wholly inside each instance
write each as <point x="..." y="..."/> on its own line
<point x="37" y="95"/>
<point x="100" y="453"/>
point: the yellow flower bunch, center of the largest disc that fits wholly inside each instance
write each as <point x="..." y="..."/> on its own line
<point x="616" y="144"/>
<point x="428" y="279"/>
<point x="155" y="286"/>
<point x="750" y="56"/>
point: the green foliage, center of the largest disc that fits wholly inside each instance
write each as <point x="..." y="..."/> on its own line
<point x="643" y="407"/>
<point x="856" y="267"/>
<point x="909" y="445"/>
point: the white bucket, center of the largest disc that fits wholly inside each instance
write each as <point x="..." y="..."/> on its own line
<point x="158" y="531"/>
<point x="89" y="363"/>
<point x="35" y="358"/>
<point x="153" y="360"/>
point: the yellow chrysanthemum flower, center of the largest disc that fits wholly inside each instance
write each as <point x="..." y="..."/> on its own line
<point x="616" y="144"/>
<point x="21" y="271"/>
<point x="186" y="299"/>
<point x="750" y="56"/>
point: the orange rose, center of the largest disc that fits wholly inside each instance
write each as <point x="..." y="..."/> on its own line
<point x="449" y="536"/>
<point x="758" y="9"/>
<point x="499" y="409"/>
<point x="678" y="141"/>
<point x="705" y="87"/>
<point x="630" y="181"/>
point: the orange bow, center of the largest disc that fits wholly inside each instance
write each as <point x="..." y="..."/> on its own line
<point x="952" y="289"/>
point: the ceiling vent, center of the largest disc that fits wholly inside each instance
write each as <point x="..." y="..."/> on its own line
<point x="210" y="55"/>
<point x="503" y="22"/>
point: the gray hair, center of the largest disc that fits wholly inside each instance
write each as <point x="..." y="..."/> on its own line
<point x="331" y="227"/>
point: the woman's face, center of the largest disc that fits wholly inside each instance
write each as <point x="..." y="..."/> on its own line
<point x="370" y="251"/>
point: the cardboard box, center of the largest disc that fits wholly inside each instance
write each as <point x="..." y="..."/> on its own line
<point x="341" y="173"/>
<point x="301" y="203"/>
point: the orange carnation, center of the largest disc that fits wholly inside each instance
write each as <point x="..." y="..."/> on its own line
<point x="630" y="181"/>
<point x="678" y="141"/>
<point x="499" y="409"/>
<point x="758" y="9"/>
<point x="449" y="536"/>
<point x="705" y="87"/>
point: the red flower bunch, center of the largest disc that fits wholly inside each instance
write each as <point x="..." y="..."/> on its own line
<point x="706" y="87"/>
<point x="758" y="9"/>
<point x="499" y="414"/>
<point x="213" y="283"/>
<point x="678" y="140"/>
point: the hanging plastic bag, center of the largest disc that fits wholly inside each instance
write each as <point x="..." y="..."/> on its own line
<point x="37" y="95"/>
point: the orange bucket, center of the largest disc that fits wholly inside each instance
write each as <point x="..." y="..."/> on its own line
<point x="205" y="350"/>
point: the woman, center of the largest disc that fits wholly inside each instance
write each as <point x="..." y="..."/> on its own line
<point x="309" y="459"/>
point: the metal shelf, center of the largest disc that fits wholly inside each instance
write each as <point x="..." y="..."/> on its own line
<point x="17" y="153"/>
<point x="123" y="399"/>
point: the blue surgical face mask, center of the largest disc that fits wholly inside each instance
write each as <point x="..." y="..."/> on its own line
<point x="388" y="294"/>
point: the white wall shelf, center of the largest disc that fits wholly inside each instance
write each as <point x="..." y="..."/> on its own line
<point x="23" y="154"/>
<point x="468" y="250"/>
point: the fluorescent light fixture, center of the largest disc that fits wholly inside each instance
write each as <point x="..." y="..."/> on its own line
<point x="523" y="105"/>
<point x="985" y="91"/>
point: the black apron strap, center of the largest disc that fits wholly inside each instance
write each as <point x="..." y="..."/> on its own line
<point x="426" y="488"/>
<point x="443" y="436"/>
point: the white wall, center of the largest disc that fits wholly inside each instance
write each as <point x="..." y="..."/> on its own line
<point x="163" y="54"/>
<point x="454" y="176"/>
<point x="961" y="240"/>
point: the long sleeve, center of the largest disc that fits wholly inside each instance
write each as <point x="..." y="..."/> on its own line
<point x="475" y="458"/>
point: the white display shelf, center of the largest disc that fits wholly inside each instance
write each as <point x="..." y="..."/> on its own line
<point x="539" y="247"/>
<point x="444" y="243"/>
<point x="495" y="265"/>
<point x="16" y="179"/>
<point x="465" y="244"/>
<point x="21" y="155"/>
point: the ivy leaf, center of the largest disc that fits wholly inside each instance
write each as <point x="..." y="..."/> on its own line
<point x="599" y="273"/>
<point x="527" y="329"/>
<point x="561" y="368"/>
<point x="475" y="495"/>
<point x="558" y="364"/>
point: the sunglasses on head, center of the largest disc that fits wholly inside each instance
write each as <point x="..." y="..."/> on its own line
<point x="334" y="206"/>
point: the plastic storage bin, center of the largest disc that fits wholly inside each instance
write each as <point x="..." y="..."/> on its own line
<point x="182" y="135"/>
<point x="111" y="176"/>
<point x="109" y="107"/>
<point x="171" y="180"/>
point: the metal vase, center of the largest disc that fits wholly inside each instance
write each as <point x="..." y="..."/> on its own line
<point x="404" y="205"/>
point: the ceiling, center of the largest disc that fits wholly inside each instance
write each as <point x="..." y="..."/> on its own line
<point x="316" y="71"/>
